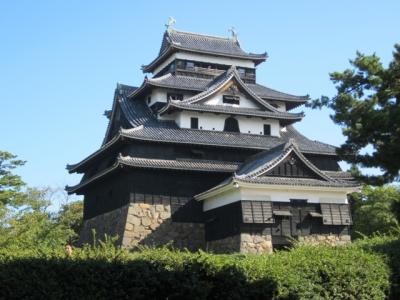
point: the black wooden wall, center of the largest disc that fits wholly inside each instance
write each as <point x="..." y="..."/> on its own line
<point x="227" y="221"/>
<point x="115" y="190"/>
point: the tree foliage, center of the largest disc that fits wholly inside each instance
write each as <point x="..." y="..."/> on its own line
<point x="373" y="210"/>
<point x="25" y="219"/>
<point x="367" y="106"/>
<point x="10" y="183"/>
<point x="71" y="216"/>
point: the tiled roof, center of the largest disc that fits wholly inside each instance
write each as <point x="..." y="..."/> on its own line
<point x="180" y="82"/>
<point x="181" y="164"/>
<point x="193" y="42"/>
<point x="208" y="43"/>
<point x="339" y="175"/>
<point x="226" y="139"/>
<point x="200" y="84"/>
<point x="178" y="164"/>
<point x="170" y="133"/>
<point x="262" y="162"/>
<point x="298" y="182"/>
<point x="222" y="80"/>
<point x="268" y="93"/>
<point x="121" y="91"/>
<point x="255" y="171"/>
<point x="229" y="109"/>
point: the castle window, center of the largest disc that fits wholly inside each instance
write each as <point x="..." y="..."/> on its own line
<point x="242" y="72"/>
<point x="148" y="100"/>
<point x="267" y="129"/>
<point x="231" y="99"/>
<point x="174" y="96"/>
<point x="189" y="65"/>
<point x="231" y="125"/>
<point x="250" y="73"/>
<point x="194" y="123"/>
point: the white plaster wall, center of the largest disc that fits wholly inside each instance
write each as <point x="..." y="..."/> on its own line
<point x="284" y="195"/>
<point x="209" y="121"/>
<point x="281" y="105"/>
<point x="244" y="101"/>
<point x="160" y="95"/>
<point x="275" y="195"/>
<point x="222" y="199"/>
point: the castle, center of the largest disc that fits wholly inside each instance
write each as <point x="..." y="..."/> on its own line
<point x="204" y="157"/>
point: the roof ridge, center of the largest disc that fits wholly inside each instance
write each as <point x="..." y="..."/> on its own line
<point x="202" y="34"/>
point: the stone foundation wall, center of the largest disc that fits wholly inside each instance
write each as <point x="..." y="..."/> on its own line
<point x="328" y="239"/>
<point x="111" y="224"/>
<point x="243" y="243"/>
<point x="255" y="243"/>
<point x="151" y="225"/>
<point x="226" y="245"/>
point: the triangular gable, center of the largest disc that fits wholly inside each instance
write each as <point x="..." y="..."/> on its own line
<point x="285" y="161"/>
<point x="222" y="83"/>
<point x="292" y="166"/>
<point x="232" y="90"/>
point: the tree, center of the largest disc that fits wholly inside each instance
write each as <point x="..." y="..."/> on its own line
<point x="367" y="106"/>
<point x="25" y="221"/>
<point x="373" y="210"/>
<point x="10" y="183"/>
<point x="32" y="226"/>
<point x="71" y="216"/>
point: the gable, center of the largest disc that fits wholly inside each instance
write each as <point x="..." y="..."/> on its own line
<point x="233" y="91"/>
<point x="292" y="166"/>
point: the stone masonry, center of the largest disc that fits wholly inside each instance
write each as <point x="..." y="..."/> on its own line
<point x="328" y="239"/>
<point x="151" y="225"/>
<point x="144" y="224"/>
<point x="243" y="242"/>
<point x="255" y="243"/>
<point x="111" y="223"/>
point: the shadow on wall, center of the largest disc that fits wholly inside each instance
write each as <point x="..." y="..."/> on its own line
<point x="134" y="279"/>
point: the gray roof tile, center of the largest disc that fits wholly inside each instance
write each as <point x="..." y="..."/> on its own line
<point x="178" y="164"/>
<point x="194" y="42"/>
<point x="200" y="84"/>
<point x="228" y="109"/>
<point x="181" y="164"/>
<point x="299" y="182"/>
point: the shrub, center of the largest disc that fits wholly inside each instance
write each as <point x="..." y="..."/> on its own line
<point x="359" y="271"/>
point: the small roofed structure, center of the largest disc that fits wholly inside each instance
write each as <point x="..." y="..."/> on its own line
<point x="205" y="157"/>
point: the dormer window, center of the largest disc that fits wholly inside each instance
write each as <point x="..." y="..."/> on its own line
<point x="231" y="99"/>
<point x="174" y="96"/>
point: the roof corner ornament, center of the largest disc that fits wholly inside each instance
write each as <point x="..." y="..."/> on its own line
<point x="171" y="22"/>
<point x="234" y="34"/>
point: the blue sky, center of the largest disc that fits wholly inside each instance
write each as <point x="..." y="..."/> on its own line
<point x="60" y="62"/>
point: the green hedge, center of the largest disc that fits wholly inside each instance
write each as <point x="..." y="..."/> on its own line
<point x="359" y="271"/>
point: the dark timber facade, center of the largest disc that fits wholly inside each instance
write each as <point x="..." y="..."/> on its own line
<point x="203" y="156"/>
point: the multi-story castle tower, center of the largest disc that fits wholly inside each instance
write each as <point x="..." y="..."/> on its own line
<point x="204" y="156"/>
